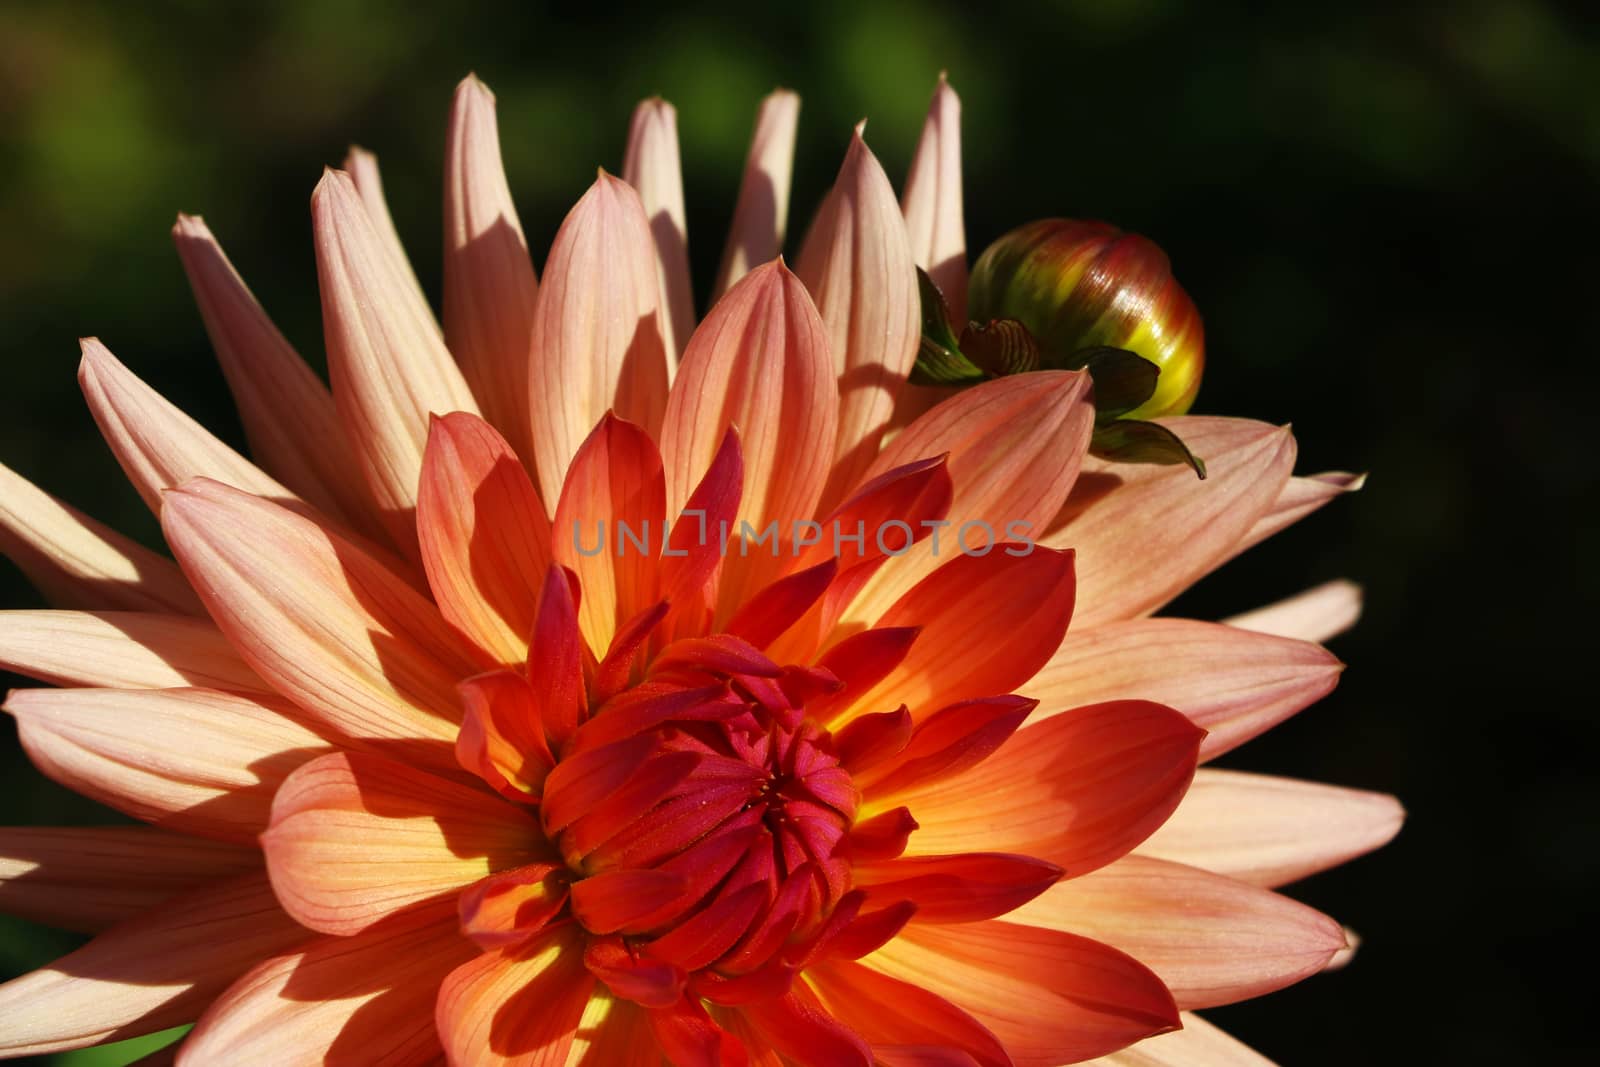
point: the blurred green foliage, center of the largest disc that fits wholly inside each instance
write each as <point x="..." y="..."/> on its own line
<point x="1383" y="211"/>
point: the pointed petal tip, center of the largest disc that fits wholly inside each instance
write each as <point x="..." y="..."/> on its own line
<point x="473" y="86"/>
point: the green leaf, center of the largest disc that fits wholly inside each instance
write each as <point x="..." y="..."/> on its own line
<point x="1122" y="380"/>
<point x="1002" y="347"/>
<point x="939" y="360"/>
<point x="1133" y="441"/>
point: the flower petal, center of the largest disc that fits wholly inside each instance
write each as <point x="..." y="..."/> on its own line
<point x="1198" y="1044"/>
<point x="651" y="166"/>
<point x="887" y="1011"/>
<point x="484" y="535"/>
<point x="356" y="838"/>
<point x="122" y="650"/>
<point x="597" y="330"/>
<point x="149" y="973"/>
<point x="521" y="1007"/>
<point x="961" y="888"/>
<point x="339" y="1001"/>
<point x="79" y="563"/>
<point x="761" y="213"/>
<point x="857" y="264"/>
<point x="191" y="760"/>
<point x="1230" y="682"/>
<point x="932" y="201"/>
<point x="1299" y="498"/>
<point x="489" y="281"/>
<point x="1212" y="940"/>
<point x="362" y="167"/>
<point x="1318" y="614"/>
<point x="1270" y="831"/>
<point x="389" y="367"/>
<point x="358" y="649"/>
<point x="1145" y="532"/>
<point x="802" y="1031"/>
<point x="89" y="878"/>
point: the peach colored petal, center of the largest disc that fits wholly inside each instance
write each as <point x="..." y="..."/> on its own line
<point x="518" y="1008"/>
<point x="651" y="166"/>
<point x="89" y="878"/>
<point x="597" y="329"/>
<point x="1270" y="831"/>
<point x="77" y="562"/>
<point x="362" y="166"/>
<point x="192" y="760"/>
<point x="759" y="362"/>
<point x="857" y="264"/>
<point x="1145" y="532"/>
<point x="1299" y="498"/>
<point x="1198" y="1044"/>
<point x="356" y="838"/>
<point x="1049" y="997"/>
<point x="340" y="1001"/>
<point x="489" y="280"/>
<point x="889" y="1012"/>
<point x="122" y="650"/>
<point x="1014" y="448"/>
<point x="932" y="201"/>
<point x="389" y="367"/>
<point x="484" y="535"/>
<point x="288" y="414"/>
<point x="1318" y="614"/>
<point x="326" y="625"/>
<point x="1213" y="940"/>
<point x="1233" y="683"/>
<point x="152" y="972"/>
<point x="761" y="213"/>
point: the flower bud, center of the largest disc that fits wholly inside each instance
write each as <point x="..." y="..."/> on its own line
<point x="1079" y="285"/>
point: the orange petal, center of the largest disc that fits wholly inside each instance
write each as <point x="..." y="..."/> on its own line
<point x="192" y="760"/>
<point x="761" y="213"/>
<point x="1212" y="940"/>
<point x="932" y="200"/>
<point x="803" y="1032"/>
<point x="288" y="414"/>
<point x="79" y="563"/>
<point x="961" y="888"/>
<point x="597" y="329"/>
<point x="122" y="650"/>
<point x="389" y="367"/>
<point x="359" y="650"/>
<point x="89" y="878"/>
<point x="340" y="1001"/>
<point x="362" y="167"/>
<point x="1049" y="997"/>
<point x="759" y="362"/>
<point x="651" y="166"/>
<point x="508" y="908"/>
<point x="1145" y="532"/>
<point x="1318" y="614"/>
<point x="887" y="1011"/>
<point x="149" y="973"/>
<point x="356" y="838"/>
<point x="1270" y="831"/>
<point x="1299" y="498"/>
<point x="518" y="1008"/>
<point x="1080" y="790"/>
<point x="489" y="281"/>
<point x="858" y="266"/>
<point x="1198" y="1044"/>
<point x="502" y="737"/>
<point x="484" y="535"/>
<point x="1230" y="682"/>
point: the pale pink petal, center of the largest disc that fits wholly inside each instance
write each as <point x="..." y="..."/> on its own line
<point x="1232" y="683"/>
<point x="1317" y="614"/>
<point x="89" y="878"/>
<point x="362" y="166"/>
<point x="341" y="1001"/>
<point x="77" y="562"/>
<point x="152" y="972"/>
<point x="761" y="213"/>
<point x="597" y="330"/>
<point x="651" y="166"/>
<point x="1270" y="831"/>
<point x="1145" y="532"/>
<point x="359" y="650"/>
<point x="932" y="201"/>
<point x="288" y="414"/>
<point x="520" y="1008"/>
<point x="1300" y="497"/>
<point x="356" y="838"/>
<point x="759" y="362"/>
<point x="489" y="281"/>
<point x="1213" y="940"/>
<point x="122" y="650"/>
<point x="1198" y="1044"/>
<point x="192" y="760"/>
<point x="857" y="264"/>
<point x="389" y="367"/>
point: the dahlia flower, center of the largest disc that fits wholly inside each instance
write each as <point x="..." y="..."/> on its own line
<point x="466" y="728"/>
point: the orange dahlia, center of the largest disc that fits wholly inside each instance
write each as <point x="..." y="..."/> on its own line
<point x="580" y="684"/>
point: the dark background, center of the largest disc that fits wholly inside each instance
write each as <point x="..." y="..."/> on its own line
<point x="1385" y="217"/>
